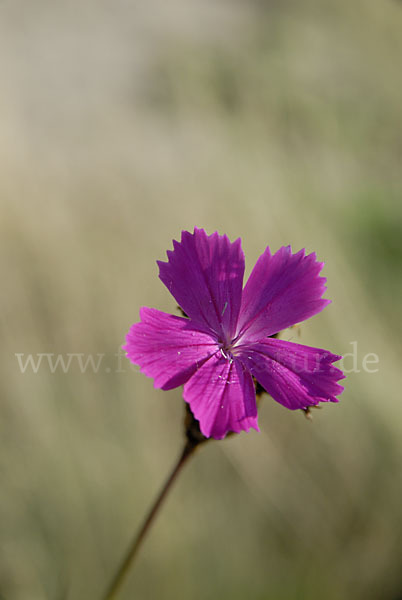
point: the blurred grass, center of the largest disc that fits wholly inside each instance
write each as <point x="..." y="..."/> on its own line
<point x="277" y="122"/>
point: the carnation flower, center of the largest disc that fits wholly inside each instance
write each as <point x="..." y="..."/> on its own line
<point x="226" y="342"/>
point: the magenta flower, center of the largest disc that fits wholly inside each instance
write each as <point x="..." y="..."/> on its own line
<point x="225" y="342"/>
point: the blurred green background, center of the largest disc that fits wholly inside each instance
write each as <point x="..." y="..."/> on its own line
<point x="123" y="123"/>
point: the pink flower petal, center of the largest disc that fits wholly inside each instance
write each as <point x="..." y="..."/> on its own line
<point x="221" y="395"/>
<point x="167" y="348"/>
<point x="205" y="275"/>
<point x="283" y="289"/>
<point x="296" y="376"/>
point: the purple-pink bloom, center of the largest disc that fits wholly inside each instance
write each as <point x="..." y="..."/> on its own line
<point x="225" y="341"/>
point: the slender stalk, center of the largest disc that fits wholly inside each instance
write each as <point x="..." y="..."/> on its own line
<point x="128" y="560"/>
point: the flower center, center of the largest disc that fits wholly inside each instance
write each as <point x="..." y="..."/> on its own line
<point x="226" y="348"/>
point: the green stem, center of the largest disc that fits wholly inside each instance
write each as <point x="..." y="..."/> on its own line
<point x="128" y="560"/>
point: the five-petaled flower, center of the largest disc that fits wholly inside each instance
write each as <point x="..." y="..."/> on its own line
<point x="225" y="341"/>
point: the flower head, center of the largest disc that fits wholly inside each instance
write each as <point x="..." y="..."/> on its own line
<point x="225" y="341"/>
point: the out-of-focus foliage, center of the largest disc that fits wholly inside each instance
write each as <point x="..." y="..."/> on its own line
<point x="123" y="123"/>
